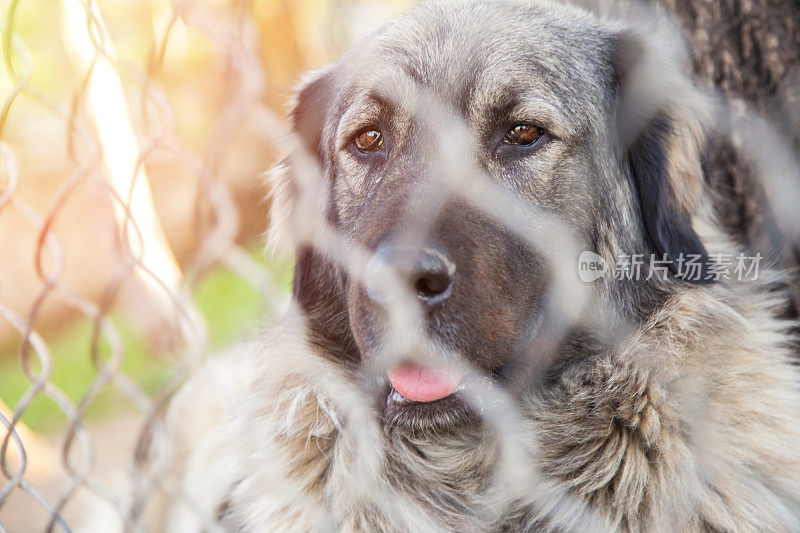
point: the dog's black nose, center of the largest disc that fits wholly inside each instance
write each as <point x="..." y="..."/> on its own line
<point x="427" y="272"/>
<point x="432" y="276"/>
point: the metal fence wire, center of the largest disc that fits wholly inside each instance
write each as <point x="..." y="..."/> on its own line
<point x="104" y="123"/>
<point x="98" y="140"/>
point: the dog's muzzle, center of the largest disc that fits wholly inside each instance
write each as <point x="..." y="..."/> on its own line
<point x="427" y="272"/>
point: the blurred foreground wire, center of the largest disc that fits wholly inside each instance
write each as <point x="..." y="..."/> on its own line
<point x="86" y="133"/>
<point x="126" y="179"/>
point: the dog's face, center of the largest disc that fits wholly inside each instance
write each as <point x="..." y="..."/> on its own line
<point x="519" y="95"/>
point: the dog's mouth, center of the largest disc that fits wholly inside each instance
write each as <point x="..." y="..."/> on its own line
<point x="423" y="384"/>
<point x="423" y="398"/>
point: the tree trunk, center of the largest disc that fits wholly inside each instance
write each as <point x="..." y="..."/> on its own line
<point x="749" y="50"/>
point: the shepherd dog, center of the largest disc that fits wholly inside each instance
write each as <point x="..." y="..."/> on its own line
<point x="494" y="326"/>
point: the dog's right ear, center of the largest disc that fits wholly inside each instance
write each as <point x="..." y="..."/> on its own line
<point x="299" y="204"/>
<point x="310" y="107"/>
<point x="290" y="182"/>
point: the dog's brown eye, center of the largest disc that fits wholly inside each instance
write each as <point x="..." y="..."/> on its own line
<point x="369" y="141"/>
<point x="522" y="134"/>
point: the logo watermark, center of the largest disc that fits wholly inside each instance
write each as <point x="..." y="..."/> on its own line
<point x="591" y="266"/>
<point x="689" y="267"/>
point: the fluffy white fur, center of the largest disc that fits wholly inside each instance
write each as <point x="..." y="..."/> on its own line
<point x="693" y="425"/>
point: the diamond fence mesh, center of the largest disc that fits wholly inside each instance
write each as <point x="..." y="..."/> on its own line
<point x="131" y="135"/>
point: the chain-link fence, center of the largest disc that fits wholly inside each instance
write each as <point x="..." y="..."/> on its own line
<point x="131" y="135"/>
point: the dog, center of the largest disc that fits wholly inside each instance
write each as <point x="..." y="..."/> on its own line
<point x="440" y="367"/>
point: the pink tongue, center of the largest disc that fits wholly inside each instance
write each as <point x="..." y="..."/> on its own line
<point x="422" y="384"/>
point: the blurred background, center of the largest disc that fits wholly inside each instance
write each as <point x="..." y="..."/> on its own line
<point x="134" y="137"/>
<point x="133" y="141"/>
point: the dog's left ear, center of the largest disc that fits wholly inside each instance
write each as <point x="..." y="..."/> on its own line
<point x="659" y="138"/>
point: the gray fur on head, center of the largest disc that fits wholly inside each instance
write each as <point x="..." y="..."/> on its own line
<point x="626" y="404"/>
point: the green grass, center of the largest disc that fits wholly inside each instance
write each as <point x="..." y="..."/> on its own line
<point x="231" y="307"/>
<point x="73" y="372"/>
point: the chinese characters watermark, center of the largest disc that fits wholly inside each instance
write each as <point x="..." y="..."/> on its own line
<point x="689" y="267"/>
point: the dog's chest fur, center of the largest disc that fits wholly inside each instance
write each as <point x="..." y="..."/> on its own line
<point x="690" y="425"/>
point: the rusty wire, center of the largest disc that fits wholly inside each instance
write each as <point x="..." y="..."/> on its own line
<point x="232" y="38"/>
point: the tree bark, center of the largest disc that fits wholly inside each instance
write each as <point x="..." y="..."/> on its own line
<point x="748" y="50"/>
